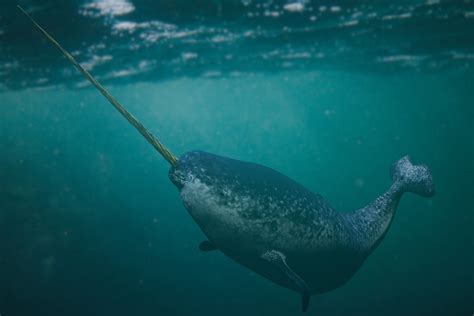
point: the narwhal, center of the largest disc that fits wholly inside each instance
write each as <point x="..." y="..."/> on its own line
<point x="271" y="224"/>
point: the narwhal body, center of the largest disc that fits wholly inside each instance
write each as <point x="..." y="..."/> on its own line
<point x="281" y="230"/>
<point x="270" y="223"/>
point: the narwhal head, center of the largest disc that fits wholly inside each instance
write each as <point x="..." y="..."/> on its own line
<point x="191" y="166"/>
<point x="200" y="179"/>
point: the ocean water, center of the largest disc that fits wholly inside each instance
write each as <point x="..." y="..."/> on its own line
<point x="330" y="93"/>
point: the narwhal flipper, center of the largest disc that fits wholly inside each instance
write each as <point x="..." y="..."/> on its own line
<point x="279" y="260"/>
<point x="207" y="246"/>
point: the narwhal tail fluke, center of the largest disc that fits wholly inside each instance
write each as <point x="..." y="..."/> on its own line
<point x="412" y="178"/>
<point x="370" y="223"/>
<point x="139" y="126"/>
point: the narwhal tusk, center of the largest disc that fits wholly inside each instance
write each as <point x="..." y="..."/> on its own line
<point x="139" y="126"/>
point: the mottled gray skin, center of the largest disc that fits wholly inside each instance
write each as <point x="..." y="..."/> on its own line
<point x="247" y="210"/>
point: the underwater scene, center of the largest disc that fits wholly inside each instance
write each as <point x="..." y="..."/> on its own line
<point x="276" y="139"/>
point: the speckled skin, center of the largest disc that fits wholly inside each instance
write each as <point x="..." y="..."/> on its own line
<point x="246" y="210"/>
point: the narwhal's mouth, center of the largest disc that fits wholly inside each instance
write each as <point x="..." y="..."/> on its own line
<point x="188" y="168"/>
<point x="178" y="177"/>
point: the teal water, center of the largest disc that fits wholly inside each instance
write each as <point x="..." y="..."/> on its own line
<point x="91" y="224"/>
